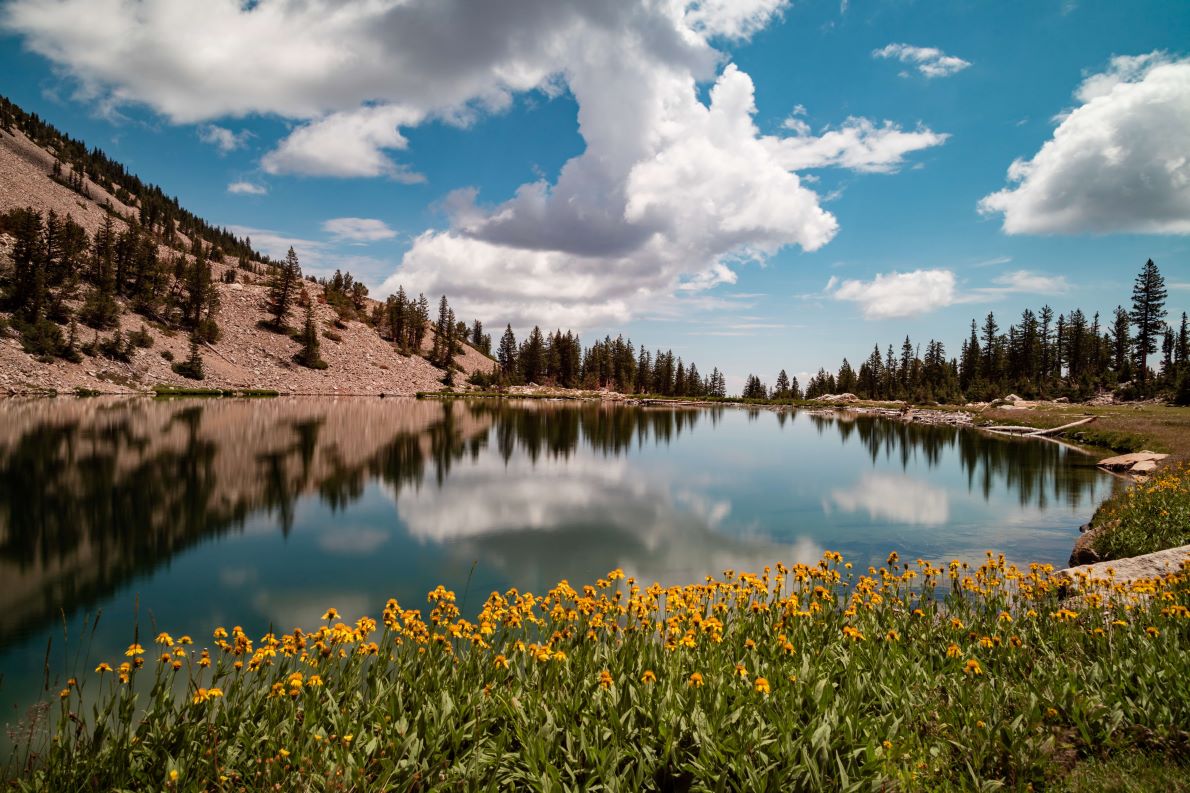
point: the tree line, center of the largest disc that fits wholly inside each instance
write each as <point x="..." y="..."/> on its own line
<point x="1042" y="355"/>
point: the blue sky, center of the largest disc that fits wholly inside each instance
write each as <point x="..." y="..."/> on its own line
<point x="756" y="184"/>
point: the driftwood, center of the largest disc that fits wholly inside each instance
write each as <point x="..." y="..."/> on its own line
<point x="1056" y="430"/>
<point x="1033" y="432"/>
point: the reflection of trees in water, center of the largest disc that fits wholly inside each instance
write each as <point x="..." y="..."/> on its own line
<point x="557" y="430"/>
<point x="1037" y="471"/>
<point x="78" y="524"/>
<point x="85" y="505"/>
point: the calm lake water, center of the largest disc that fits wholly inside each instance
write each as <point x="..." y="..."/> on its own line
<point x="183" y="515"/>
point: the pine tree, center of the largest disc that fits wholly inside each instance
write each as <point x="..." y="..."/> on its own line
<point x="1121" y="342"/>
<point x="1148" y="315"/>
<point x="100" y="310"/>
<point x="1182" y="347"/>
<point x="192" y="366"/>
<point x="419" y="322"/>
<point x="531" y="356"/>
<point x="309" y="356"/>
<point x="283" y="288"/>
<point x="440" y="353"/>
<point x="781" y="390"/>
<point x="200" y="301"/>
<point x="25" y="288"/>
<point x="506" y="354"/>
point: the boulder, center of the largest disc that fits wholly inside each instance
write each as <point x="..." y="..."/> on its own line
<point x="1144" y="467"/>
<point x="1125" y="462"/>
<point x="1149" y="565"/>
<point x="1083" y="552"/>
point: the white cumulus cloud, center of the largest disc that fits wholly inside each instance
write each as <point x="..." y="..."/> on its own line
<point x="859" y="145"/>
<point x="1119" y="162"/>
<point x="348" y="144"/>
<point x="358" y="229"/>
<point x="921" y="291"/>
<point x="929" y="61"/>
<point x="898" y="294"/>
<point x="247" y="188"/>
<point x="223" y="138"/>
<point x="669" y="195"/>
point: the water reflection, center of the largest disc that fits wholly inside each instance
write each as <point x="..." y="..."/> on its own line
<point x="894" y="498"/>
<point x="364" y="498"/>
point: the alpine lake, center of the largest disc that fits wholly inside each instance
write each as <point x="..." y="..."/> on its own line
<point x="122" y="517"/>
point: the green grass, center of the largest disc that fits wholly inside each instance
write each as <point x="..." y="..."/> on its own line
<point x="1149" y="516"/>
<point x="184" y="391"/>
<point x="1119" y="428"/>
<point x="1130" y="772"/>
<point x="174" y="391"/>
<point x="820" y="677"/>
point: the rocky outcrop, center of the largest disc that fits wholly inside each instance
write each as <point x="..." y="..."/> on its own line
<point x="836" y="398"/>
<point x="1150" y="565"/>
<point x="1137" y="462"/>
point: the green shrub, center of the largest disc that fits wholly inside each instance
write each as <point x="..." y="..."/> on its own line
<point x="141" y="338"/>
<point x="42" y="339"/>
<point x="1149" y="516"/>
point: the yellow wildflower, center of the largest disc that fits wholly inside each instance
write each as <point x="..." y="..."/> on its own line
<point x="761" y="686"/>
<point x="648" y="677"/>
<point x="972" y="667"/>
<point x="695" y="680"/>
<point x="605" y="679"/>
<point x="134" y="650"/>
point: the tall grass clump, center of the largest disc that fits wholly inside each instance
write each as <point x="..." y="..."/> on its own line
<point x="816" y="677"/>
<point x="1150" y="516"/>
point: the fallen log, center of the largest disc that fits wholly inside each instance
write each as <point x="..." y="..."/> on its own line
<point x="212" y="349"/>
<point x="1010" y="429"/>
<point x="1056" y="430"/>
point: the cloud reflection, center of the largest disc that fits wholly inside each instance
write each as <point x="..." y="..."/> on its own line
<point x="582" y="517"/>
<point x="893" y="498"/>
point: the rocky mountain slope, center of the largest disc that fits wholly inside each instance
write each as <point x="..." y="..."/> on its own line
<point x="245" y="356"/>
